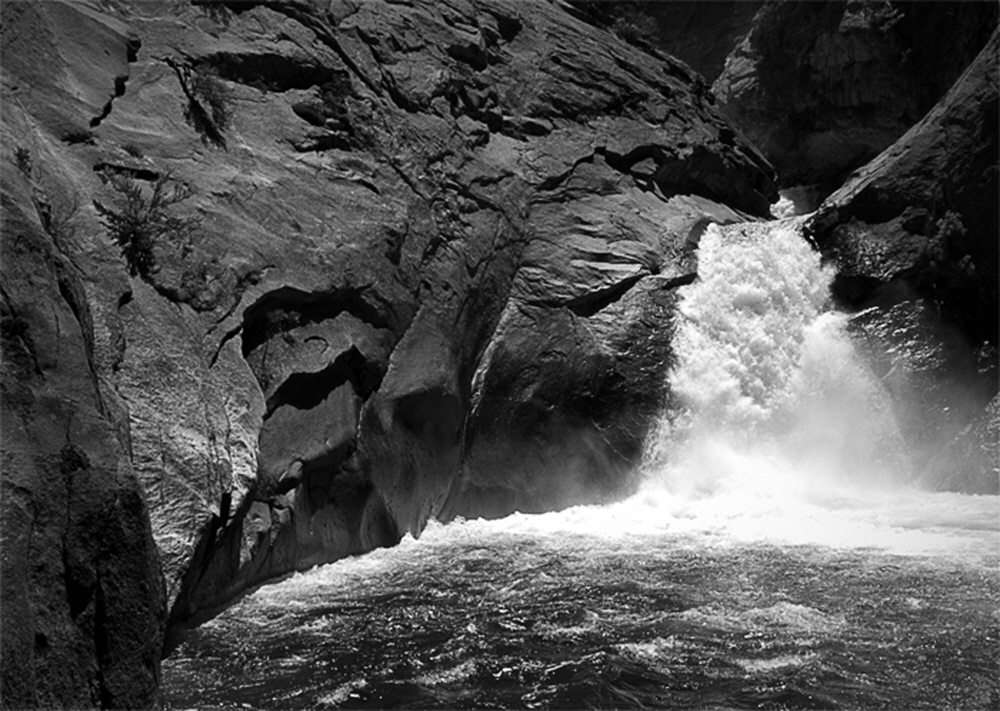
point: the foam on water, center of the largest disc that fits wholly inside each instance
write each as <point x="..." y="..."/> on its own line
<point x="781" y="662"/>
<point x="907" y="522"/>
<point x="777" y="555"/>
<point x="783" y="435"/>
<point x="773" y="397"/>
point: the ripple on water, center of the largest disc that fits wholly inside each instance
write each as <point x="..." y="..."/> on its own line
<point x="342" y="694"/>
<point x="538" y="618"/>
<point x="450" y="675"/>
<point x="782" y="662"/>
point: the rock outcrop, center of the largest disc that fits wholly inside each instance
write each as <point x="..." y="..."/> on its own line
<point x="823" y="87"/>
<point x="334" y="268"/>
<point x="914" y="236"/>
<point x="83" y="600"/>
<point x="702" y="34"/>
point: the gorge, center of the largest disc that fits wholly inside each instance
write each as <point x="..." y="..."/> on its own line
<point x="288" y="282"/>
<point x="774" y="554"/>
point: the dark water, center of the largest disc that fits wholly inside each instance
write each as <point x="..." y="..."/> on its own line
<point x="555" y="611"/>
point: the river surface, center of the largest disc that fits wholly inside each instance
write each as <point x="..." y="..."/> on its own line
<point x="778" y="555"/>
<point x="849" y="605"/>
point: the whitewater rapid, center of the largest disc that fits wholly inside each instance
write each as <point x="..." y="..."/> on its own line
<point x="782" y="435"/>
<point x="777" y="554"/>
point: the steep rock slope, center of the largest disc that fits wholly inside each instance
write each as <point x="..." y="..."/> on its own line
<point x="914" y="234"/>
<point x="83" y="600"/>
<point x="702" y="34"/>
<point x="396" y="260"/>
<point x="823" y="87"/>
<point x="83" y="606"/>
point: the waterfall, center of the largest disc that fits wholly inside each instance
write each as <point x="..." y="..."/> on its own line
<point x="750" y="569"/>
<point x="773" y="397"/>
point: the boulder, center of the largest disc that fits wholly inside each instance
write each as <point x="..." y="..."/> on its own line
<point x="922" y="217"/>
<point x="575" y="373"/>
<point x="396" y="256"/>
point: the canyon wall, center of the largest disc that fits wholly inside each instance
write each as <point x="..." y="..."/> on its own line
<point x="821" y="87"/>
<point x="914" y="236"/>
<point x="282" y="280"/>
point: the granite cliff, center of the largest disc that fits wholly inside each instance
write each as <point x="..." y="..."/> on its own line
<point x="824" y="87"/>
<point x="820" y="87"/>
<point x="282" y="280"/>
<point x="914" y="235"/>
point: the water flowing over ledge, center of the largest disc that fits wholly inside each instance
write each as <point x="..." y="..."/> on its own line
<point x="778" y="552"/>
<point x="773" y="394"/>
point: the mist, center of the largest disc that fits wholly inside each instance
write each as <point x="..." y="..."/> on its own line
<point x="777" y="399"/>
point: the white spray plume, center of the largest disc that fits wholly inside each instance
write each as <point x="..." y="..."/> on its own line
<point x="775" y="401"/>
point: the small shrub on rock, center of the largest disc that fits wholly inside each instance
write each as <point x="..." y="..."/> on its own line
<point x="22" y="157"/>
<point x="138" y="221"/>
<point x="212" y="94"/>
<point x="633" y="24"/>
<point x="633" y="32"/>
<point x="207" y="107"/>
<point x="133" y="150"/>
<point x="216" y="10"/>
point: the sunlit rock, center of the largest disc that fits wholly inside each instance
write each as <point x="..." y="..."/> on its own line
<point x="416" y="237"/>
<point x="914" y="238"/>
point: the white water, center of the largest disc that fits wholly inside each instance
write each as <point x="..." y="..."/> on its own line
<point x="776" y="555"/>
<point x="783" y="435"/>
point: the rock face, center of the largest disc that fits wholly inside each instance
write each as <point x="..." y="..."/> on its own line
<point x="702" y="34"/>
<point x="333" y="269"/>
<point x="83" y="600"/>
<point x="914" y="235"/>
<point x="823" y="87"/>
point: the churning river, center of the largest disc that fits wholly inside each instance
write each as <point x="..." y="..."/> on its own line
<point x="778" y="555"/>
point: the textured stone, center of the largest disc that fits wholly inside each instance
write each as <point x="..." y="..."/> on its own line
<point x="574" y="375"/>
<point x="823" y="87"/>
<point x="700" y="33"/>
<point x="428" y="234"/>
<point x="83" y="606"/>
<point x="914" y="238"/>
<point x="434" y="274"/>
<point x="923" y="217"/>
